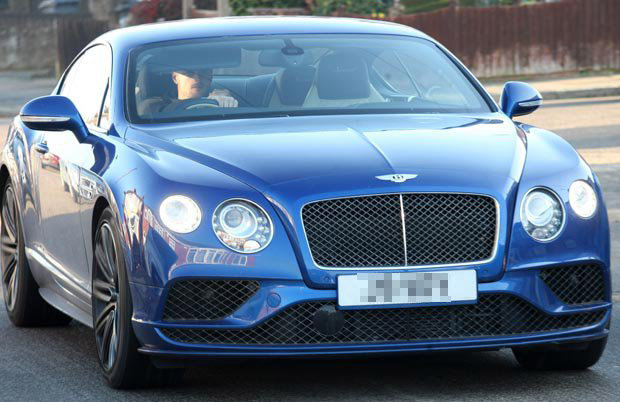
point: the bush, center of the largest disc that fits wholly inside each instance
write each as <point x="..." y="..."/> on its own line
<point x="240" y="7"/>
<point x="362" y="7"/>
<point x="155" y="10"/>
<point x="420" y="6"/>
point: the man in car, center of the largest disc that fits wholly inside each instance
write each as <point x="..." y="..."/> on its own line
<point x="196" y="84"/>
<point x="191" y="87"/>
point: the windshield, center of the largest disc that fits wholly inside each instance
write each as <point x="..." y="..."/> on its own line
<point x="288" y="75"/>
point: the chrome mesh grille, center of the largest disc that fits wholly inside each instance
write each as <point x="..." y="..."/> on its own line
<point x="356" y="232"/>
<point x="576" y="284"/>
<point x="439" y="228"/>
<point x="449" y="228"/>
<point x="206" y="299"/>
<point x="493" y="315"/>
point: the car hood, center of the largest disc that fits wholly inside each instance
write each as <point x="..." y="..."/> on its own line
<point x="295" y="160"/>
<point x="308" y="156"/>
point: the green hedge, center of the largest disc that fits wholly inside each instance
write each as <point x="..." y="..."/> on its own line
<point x="240" y="7"/>
<point x="420" y="6"/>
<point x="366" y="7"/>
<point x="319" y="7"/>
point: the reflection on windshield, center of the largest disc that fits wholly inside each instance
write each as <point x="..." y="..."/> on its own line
<point x="288" y="75"/>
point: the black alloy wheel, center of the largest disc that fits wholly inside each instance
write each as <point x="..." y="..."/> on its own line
<point x="10" y="249"/>
<point x="105" y="296"/>
<point x="117" y="346"/>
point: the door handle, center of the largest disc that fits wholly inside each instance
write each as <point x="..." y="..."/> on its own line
<point x="42" y="147"/>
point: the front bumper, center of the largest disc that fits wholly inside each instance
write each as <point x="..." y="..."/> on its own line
<point x="276" y="299"/>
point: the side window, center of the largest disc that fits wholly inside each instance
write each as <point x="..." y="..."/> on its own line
<point x="87" y="81"/>
<point x="104" y="122"/>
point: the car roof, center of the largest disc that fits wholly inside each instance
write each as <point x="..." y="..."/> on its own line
<point x="127" y="38"/>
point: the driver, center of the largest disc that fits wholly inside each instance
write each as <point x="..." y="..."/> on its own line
<point x="195" y="84"/>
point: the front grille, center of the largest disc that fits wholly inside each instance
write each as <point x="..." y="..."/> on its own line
<point x="576" y="284"/>
<point x="396" y="230"/>
<point x="206" y="299"/>
<point x="493" y="315"/>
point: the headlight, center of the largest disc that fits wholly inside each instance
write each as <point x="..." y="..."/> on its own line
<point x="582" y="199"/>
<point x="242" y="226"/>
<point x="180" y="214"/>
<point x="542" y="214"/>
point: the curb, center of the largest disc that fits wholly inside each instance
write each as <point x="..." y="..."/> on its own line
<point x="8" y="113"/>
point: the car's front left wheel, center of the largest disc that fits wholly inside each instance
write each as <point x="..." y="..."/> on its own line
<point x="117" y="346"/>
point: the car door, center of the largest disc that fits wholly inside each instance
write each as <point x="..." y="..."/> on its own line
<point x="59" y="179"/>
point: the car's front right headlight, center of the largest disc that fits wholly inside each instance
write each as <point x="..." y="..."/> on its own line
<point x="542" y="214"/>
<point x="242" y="226"/>
<point x="180" y="214"/>
<point x="582" y="199"/>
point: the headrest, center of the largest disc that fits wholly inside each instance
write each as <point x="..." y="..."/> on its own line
<point x="154" y="83"/>
<point x="343" y="76"/>
<point x="294" y="83"/>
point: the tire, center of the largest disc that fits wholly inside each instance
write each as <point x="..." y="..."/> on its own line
<point x="24" y="305"/>
<point x="574" y="356"/>
<point x="117" y="346"/>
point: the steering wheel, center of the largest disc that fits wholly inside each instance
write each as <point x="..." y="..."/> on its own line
<point x="430" y="91"/>
<point x="193" y="104"/>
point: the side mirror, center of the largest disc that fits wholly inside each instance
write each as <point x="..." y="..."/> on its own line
<point x="519" y="99"/>
<point x="54" y="113"/>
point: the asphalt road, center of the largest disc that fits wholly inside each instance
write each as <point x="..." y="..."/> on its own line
<point x="60" y="363"/>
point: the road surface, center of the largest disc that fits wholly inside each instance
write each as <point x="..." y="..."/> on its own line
<point x="61" y="363"/>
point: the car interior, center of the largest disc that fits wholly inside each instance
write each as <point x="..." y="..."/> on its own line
<point x="278" y="75"/>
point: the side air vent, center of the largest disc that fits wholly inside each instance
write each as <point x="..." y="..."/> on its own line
<point x="200" y="299"/>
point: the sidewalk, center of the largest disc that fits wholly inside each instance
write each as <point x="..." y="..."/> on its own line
<point x="17" y="88"/>
<point x="566" y="88"/>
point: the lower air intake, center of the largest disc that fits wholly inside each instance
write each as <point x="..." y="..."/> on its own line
<point x="576" y="284"/>
<point x="201" y="299"/>
<point x="493" y="315"/>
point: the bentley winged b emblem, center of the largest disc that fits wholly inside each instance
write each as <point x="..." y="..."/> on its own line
<point x="397" y="178"/>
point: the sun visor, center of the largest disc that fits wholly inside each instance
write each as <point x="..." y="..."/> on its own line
<point x="193" y="56"/>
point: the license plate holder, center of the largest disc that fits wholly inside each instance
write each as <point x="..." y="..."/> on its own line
<point x="407" y="289"/>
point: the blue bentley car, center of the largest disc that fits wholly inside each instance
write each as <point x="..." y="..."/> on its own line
<point x="262" y="187"/>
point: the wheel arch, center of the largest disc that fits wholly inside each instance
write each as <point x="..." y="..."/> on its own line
<point x="100" y="205"/>
<point x="4" y="176"/>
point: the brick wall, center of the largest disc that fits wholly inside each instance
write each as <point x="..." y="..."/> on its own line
<point x="27" y="42"/>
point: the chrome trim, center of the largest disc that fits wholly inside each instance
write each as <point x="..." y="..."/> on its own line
<point x="256" y="205"/>
<point x="43" y="119"/>
<point x="464" y="264"/>
<point x="402" y="221"/>
<point x="560" y="201"/>
<point x="538" y="102"/>
<point x="397" y="177"/>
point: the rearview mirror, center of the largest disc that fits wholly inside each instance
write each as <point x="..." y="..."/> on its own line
<point x="519" y="99"/>
<point x="54" y="113"/>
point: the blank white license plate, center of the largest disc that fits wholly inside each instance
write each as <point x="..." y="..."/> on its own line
<point x="368" y="289"/>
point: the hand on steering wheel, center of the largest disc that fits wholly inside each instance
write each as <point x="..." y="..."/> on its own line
<point x="223" y="98"/>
